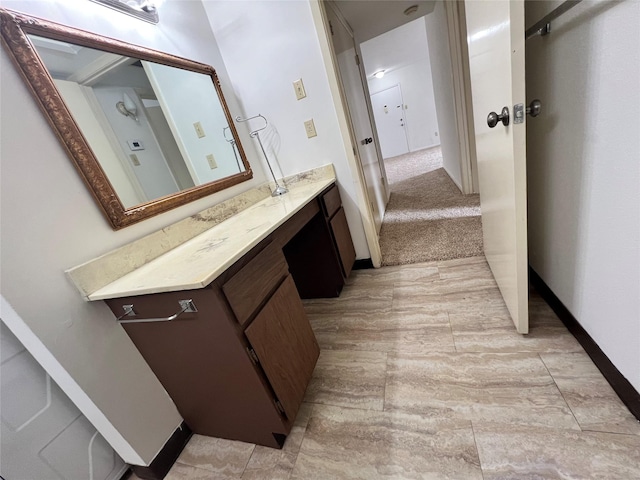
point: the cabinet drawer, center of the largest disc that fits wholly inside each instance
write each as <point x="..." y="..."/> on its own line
<point x="331" y="201"/>
<point x="248" y="289"/>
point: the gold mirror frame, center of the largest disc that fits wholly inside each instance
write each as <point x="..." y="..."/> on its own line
<point x="15" y="27"/>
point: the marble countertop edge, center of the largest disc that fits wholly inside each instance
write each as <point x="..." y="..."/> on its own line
<point x="181" y="268"/>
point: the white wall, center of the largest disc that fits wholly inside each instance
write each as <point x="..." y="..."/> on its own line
<point x="583" y="156"/>
<point x="415" y="82"/>
<point x="442" y="73"/>
<point x="50" y="222"/>
<point x="266" y="46"/>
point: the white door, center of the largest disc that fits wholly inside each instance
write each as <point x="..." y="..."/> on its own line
<point x="495" y="34"/>
<point x="388" y="111"/>
<point x="349" y="73"/>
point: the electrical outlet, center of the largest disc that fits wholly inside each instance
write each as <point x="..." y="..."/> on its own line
<point x="436" y="134"/>
<point x="212" y="161"/>
<point x="199" y="129"/>
<point x="299" y="88"/>
<point x="134" y="159"/>
<point x="310" y="128"/>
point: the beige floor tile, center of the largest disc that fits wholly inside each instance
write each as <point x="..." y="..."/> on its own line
<point x="348" y="378"/>
<point x="180" y="471"/>
<point x="496" y="333"/>
<point x="353" y="299"/>
<point x="457" y="267"/>
<point x="226" y="458"/>
<point x="510" y="388"/>
<point x="519" y="452"/>
<point x="325" y="327"/>
<point x="592" y="400"/>
<point x="343" y="443"/>
<point x="406" y="331"/>
<point x="417" y="272"/>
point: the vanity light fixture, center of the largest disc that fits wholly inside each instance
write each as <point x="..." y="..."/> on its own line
<point x="379" y="74"/>
<point x="127" y="107"/>
<point x="146" y="10"/>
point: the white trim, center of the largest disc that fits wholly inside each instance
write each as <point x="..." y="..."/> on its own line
<point x="328" y="56"/>
<point x="68" y="385"/>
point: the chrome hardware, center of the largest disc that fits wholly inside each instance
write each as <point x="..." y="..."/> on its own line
<point x="253" y="356"/>
<point x="543" y="27"/>
<point x="367" y="141"/>
<point x="493" y="118"/>
<point x="534" y="108"/>
<point x="187" y="307"/>
<point x="518" y="113"/>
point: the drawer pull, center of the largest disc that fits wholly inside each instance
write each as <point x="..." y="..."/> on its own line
<point x="187" y="307"/>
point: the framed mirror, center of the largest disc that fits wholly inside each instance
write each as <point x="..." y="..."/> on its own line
<point x="146" y="130"/>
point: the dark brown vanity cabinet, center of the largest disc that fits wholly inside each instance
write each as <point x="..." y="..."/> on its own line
<point x="239" y="366"/>
<point x="334" y="214"/>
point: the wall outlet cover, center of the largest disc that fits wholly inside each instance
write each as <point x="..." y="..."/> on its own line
<point x="199" y="129"/>
<point x="298" y="86"/>
<point x="212" y="161"/>
<point x="310" y="128"/>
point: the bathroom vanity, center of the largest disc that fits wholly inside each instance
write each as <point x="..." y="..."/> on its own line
<point x="220" y="319"/>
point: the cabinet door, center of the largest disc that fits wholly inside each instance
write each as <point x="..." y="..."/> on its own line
<point x="285" y="345"/>
<point x="344" y="243"/>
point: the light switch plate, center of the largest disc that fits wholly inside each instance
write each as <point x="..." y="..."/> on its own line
<point x="310" y="128"/>
<point x="212" y="161"/>
<point x="299" y="88"/>
<point x="134" y="159"/>
<point x="199" y="129"/>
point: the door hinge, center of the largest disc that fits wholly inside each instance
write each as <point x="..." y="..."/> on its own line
<point x="382" y="180"/>
<point x="280" y="408"/>
<point x="253" y="356"/>
<point x="331" y="28"/>
<point x="357" y="59"/>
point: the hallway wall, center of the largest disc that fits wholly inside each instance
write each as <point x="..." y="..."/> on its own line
<point x="439" y="53"/>
<point x="415" y="78"/>
<point x="583" y="156"/>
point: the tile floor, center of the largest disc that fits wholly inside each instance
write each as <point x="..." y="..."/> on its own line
<point x="422" y="376"/>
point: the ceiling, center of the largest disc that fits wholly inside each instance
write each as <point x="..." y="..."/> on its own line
<point x="370" y="18"/>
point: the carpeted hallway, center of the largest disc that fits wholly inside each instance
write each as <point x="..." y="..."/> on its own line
<point x="427" y="217"/>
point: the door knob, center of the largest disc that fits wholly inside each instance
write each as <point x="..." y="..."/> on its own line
<point x="534" y="108"/>
<point x="493" y="118"/>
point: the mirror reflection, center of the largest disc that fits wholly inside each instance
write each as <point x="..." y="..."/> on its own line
<point x="155" y="129"/>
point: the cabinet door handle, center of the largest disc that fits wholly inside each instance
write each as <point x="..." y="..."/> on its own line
<point x="187" y="307"/>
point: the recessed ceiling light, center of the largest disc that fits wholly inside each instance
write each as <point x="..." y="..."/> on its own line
<point x="411" y="10"/>
<point x="379" y="74"/>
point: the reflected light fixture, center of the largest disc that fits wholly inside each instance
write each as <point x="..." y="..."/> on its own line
<point x="146" y="10"/>
<point x="411" y="10"/>
<point x="379" y="74"/>
<point x="127" y="107"/>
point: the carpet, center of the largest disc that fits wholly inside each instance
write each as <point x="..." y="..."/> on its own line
<point x="427" y="217"/>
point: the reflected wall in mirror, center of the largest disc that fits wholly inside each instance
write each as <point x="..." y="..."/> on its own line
<point x="147" y="131"/>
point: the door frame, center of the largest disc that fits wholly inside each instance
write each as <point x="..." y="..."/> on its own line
<point x="456" y="28"/>
<point x="346" y="129"/>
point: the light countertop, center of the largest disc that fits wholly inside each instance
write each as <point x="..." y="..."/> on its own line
<point x="200" y="260"/>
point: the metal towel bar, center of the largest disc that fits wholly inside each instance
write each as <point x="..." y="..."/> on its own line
<point x="543" y="27"/>
<point x="186" y="305"/>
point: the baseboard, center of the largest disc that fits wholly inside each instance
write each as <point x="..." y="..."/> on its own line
<point x="627" y="393"/>
<point x="165" y="459"/>
<point x="362" y="264"/>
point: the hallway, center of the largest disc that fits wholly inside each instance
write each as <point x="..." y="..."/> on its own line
<point x="427" y="217"/>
